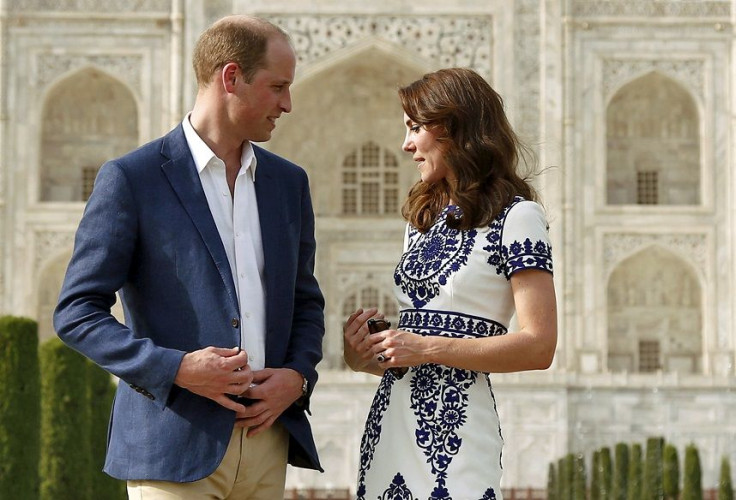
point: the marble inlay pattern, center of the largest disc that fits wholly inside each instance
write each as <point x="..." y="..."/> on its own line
<point x="652" y="8"/>
<point x="691" y="72"/>
<point x="445" y="40"/>
<point x="617" y="246"/>
<point x="127" y="68"/>
<point x="122" y="6"/>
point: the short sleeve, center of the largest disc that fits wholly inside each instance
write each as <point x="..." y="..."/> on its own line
<point x="525" y="239"/>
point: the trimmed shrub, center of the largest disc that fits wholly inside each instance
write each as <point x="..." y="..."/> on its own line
<point x="606" y="475"/>
<point x="100" y="395"/>
<point x="620" y="471"/>
<point x="561" y="479"/>
<point x="595" y="476"/>
<point x="653" y="470"/>
<point x="671" y="473"/>
<point x="691" y="484"/>
<point x="579" y="478"/>
<point x="725" y="487"/>
<point x="19" y="408"/>
<point x="65" y="465"/>
<point x="552" y="482"/>
<point x="633" y="491"/>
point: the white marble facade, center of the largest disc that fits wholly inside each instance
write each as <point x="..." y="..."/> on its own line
<point x="629" y="104"/>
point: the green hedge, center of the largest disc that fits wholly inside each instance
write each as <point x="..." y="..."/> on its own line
<point x="65" y="457"/>
<point x="671" y="473"/>
<point x="691" y="484"/>
<point x="725" y="486"/>
<point x="653" y="470"/>
<point x="100" y="395"/>
<point x="633" y="492"/>
<point x="19" y="408"/>
<point x="620" y="471"/>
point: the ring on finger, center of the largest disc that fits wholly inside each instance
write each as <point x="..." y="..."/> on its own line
<point x="380" y="358"/>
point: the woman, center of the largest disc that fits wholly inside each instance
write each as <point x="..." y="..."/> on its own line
<point x="476" y="250"/>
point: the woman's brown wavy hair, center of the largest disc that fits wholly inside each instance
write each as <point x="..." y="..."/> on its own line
<point x="482" y="149"/>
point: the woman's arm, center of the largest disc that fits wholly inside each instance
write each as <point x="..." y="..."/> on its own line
<point x="532" y="347"/>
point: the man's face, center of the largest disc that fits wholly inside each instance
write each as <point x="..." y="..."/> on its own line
<point x="261" y="102"/>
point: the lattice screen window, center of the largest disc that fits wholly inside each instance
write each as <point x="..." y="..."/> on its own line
<point x="370" y="181"/>
<point x="649" y="356"/>
<point x="647" y="188"/>
<point x="88" y="181"/>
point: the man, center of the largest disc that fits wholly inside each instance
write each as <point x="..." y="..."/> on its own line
<point x="210" y="241"/>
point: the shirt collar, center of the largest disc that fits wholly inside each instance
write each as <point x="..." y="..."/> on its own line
<point x="203" y="155"/>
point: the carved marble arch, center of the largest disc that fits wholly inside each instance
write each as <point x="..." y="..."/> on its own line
<point x="653" y="144"/>
<point x="88" y="118"/>
<point x="654" y="314"/>
<point x="341" y="103"/>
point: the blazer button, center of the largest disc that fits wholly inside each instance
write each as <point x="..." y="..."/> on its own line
<point x="235" y="322"/>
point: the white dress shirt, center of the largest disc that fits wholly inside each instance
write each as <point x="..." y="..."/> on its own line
<point x="236" y="218"/>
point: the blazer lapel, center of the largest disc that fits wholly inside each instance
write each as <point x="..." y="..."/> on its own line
<point x="270" y="210"/>
<point x="181" y="173"/>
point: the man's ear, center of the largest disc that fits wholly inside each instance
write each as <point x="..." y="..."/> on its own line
<point x="229" y="75"/>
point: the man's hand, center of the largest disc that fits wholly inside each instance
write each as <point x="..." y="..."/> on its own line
<point x="275" y="390"/>
<point x="215" y="372"/>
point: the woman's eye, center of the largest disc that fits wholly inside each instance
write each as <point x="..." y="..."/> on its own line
<point x="415" y="128"/>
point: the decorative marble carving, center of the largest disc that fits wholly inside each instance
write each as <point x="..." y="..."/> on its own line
<point x="446" y="40"/>
<point x="91" y="5"/>
<point x="527" y="32"/>
<point x="652" y="8"/>
<point x="617" y="246"/>
<point x="690" y="72"/>
<point x="127" y="68"/>
<point x="49" y="243"/>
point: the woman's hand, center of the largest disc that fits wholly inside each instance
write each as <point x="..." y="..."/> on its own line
<point x="402" y="349"/>
<point x="357" y="348"/>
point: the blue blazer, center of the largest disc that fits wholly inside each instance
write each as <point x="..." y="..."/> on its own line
<point x="147" y="232"/>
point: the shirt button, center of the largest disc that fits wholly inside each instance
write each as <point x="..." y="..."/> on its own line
<point x="235" y="322"/>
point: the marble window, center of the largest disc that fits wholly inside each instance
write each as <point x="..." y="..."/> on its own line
<point x="370" y="181"/>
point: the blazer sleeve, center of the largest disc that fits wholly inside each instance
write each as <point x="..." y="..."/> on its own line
<point x="305" y="347"/>
<point x="105" y="246"/>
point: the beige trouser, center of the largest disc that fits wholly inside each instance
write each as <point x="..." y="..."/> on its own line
<point x="253" y="469"/>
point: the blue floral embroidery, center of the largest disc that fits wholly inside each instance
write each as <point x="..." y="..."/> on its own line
<point x="448" y="324"/>
<point x="372" y="433"/>
<point x="518" y="255"/>
<point x="432" y="258"/>
<point x="439" y="398"/>
<point x="490" y="494"/>
<point x="398" y="490"/>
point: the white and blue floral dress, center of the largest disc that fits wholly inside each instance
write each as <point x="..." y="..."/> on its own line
<point x="435" y="433"/>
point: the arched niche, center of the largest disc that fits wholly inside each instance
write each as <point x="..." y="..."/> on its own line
<point x="655" y="314"/>
<point x="50" y="279"/>
<point x="653" y="144"/>
<point x="88" y="118"/>
<point x="340" y="108"/>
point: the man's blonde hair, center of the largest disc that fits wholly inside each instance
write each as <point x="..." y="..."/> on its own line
<point x="239" y="39"/>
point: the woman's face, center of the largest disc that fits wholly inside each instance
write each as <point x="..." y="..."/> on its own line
<point x="422" y="143"/>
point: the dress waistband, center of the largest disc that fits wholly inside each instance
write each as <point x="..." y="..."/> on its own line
<point x="448" y="324"/>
